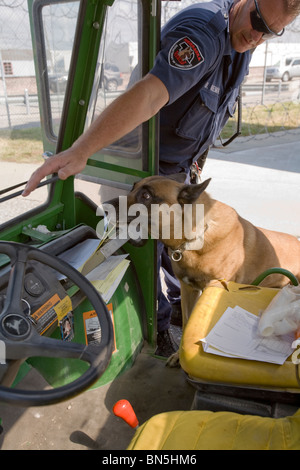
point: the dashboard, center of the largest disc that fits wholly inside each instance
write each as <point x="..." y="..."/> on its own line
<point x="45" y="298"/>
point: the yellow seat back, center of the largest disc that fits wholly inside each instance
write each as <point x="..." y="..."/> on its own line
<point x="206" y="430"/>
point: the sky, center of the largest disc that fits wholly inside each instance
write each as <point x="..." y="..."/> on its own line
<point x="14" y="23"/>
<point x="15" y="29"/>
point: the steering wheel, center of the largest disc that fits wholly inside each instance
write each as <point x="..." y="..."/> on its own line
<point x="22" y="340"/>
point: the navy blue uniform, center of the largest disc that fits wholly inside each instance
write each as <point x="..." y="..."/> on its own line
<point x="202" y="74"/>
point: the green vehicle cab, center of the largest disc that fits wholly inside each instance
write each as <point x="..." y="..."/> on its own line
<point x="82" y="331"/>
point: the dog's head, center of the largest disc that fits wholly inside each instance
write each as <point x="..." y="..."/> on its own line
<point x="157" y="206"/>
<point x="169" y="190"/>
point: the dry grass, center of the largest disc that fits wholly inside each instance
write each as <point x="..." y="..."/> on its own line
<point x="21" y="145"/>
<point x="25" y="145"/>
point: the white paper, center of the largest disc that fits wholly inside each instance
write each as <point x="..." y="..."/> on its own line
<point x="104" y="269"/>
<point x="236" y="335"/>
<point x="282" y="315"/>
<point x="79" y="254"/>
<point x="107" y="276"/>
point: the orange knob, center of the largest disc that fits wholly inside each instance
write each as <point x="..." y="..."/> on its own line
<point x="124" y="410"/>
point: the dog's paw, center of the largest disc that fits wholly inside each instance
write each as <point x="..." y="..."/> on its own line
<point x="173" y="360"/>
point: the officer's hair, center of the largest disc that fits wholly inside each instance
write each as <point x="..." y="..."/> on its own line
<point x="292" y="7"/>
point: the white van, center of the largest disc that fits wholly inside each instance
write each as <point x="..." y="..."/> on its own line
<point x="285" y="70"/>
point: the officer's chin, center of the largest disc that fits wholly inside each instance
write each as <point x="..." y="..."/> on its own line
<point x="240" y="43"/>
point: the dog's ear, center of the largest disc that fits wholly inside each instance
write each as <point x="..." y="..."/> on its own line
<point x="179" y="177"/>
<point x="191" y="192"/>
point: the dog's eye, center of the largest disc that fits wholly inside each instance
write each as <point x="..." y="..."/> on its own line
<point x="146" y="195"/>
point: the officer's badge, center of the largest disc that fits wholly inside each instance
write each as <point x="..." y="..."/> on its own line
<point x="185" y="54"/>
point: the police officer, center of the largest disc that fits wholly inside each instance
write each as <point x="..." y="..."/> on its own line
<point x="204" y="57"/>
<point x="203" y="74"/>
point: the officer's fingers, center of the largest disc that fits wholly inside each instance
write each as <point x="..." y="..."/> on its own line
<point x="71" y="167"/>
<point x="64" y="164"/>
<point x="33" y="182"/>
<point x="50" y="166"/>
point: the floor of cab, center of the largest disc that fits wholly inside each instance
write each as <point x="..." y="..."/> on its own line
<point x="87" y="422"/>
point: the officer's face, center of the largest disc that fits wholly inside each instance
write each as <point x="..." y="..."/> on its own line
<point x="251" y="23"/>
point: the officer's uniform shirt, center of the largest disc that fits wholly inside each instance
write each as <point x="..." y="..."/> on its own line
<point x="202" y="74"/>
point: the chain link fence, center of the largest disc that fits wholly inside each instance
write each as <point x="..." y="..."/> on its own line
<point x="268" y="104"/>
<point x="18" y="92"/>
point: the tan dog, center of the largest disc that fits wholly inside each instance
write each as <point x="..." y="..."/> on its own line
<point x="233" y="248"/>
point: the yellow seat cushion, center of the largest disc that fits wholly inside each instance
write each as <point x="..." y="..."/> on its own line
<point x="207" y="430"/>
<point x="207" y="367"/>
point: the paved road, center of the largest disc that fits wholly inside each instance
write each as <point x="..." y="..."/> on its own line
<point x="260" y="178"/>
<point x="13" y="173"/>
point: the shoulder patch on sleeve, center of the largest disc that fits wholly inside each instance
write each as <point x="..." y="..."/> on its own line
<point x="185" y="54"/>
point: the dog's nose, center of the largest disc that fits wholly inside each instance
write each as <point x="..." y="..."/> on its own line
<point x="113" y="202"/>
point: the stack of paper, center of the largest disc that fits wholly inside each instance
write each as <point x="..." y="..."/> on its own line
<point x="107" y="276"/>
<point x="79" y="254"/>
<point x="236" y="335"/>
<point x="93" y="258"/>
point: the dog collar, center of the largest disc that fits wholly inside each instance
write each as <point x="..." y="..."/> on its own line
<point x="176" y="255"/>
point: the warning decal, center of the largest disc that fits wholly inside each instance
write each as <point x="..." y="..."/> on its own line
<point x="92" y="326"/>
<point x="63" y="308"/>
<point x="46" y="315"/>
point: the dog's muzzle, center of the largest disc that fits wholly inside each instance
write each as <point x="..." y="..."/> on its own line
<point x="115" y="202"/>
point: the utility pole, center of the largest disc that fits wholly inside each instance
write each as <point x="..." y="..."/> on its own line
<point x="4" y="90"/>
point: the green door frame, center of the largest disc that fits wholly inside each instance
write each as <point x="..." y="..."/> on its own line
<point x="63" y="207"/>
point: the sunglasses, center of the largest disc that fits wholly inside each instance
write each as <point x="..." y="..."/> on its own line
<point x="259" y="24"/>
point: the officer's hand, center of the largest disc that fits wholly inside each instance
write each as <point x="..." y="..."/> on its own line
<point x="65" y="164"/>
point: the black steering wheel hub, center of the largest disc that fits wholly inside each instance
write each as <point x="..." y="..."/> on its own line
<point x="15" y="326"/>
